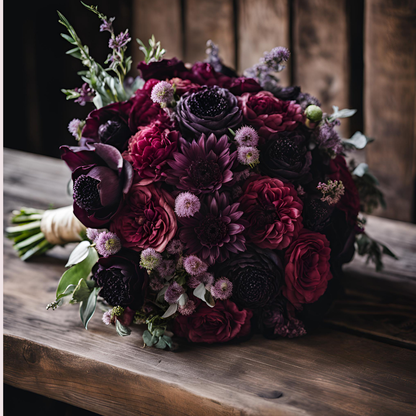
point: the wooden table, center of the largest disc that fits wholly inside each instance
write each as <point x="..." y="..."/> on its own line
<point x="361" y="362"/>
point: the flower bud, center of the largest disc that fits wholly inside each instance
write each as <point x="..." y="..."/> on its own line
<point x="313" y="113"/>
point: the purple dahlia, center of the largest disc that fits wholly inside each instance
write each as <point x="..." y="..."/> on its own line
<point x="201" y="167"/>
<point x="215" y="231"/>
<point x="209" y="110"/>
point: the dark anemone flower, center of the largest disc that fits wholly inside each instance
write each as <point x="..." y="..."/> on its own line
<point x="201" y="167"/>
<point x="101" y="176"/>
<point x="215" y="231"/>
<point x="285" y="156"/>
<point x="122" y="281"/>
<point x="257" y="276"/>
<point x="209" y="110"/>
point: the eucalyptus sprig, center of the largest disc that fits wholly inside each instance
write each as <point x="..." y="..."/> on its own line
<point x="153" y="52"/>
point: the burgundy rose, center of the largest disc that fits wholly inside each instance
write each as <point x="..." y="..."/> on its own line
<point x="350" y="201"/>
<point x="149" y="150"/>
<point x="162" y="70"/>
<point x="101" y="176"/>
<point x="268" y="114"/>
<point x="147" y="219"/>
<point x="241" y="85"/>
<point x="221" y="323"/>
<point x="183" y="86"/>
<point x="307" y="268"/>
<point x="273" y="210"/>
<point x="203" y="73"/>
<point x="149" y="84"/>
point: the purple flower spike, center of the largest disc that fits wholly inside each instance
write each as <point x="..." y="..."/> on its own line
<point x="107" y="244"/>
<point x="119" y="41"/>
<point x="86" y="94"/>
<point x="187" y="205"/>
<point x="107" y="25"/>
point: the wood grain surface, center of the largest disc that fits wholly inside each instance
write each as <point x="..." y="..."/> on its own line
<point x="327" y="372"/>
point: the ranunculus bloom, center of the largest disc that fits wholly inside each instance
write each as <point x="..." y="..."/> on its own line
<point x="101" y="176"/>
<point x="147" y="219"/>
<point x="210" y="110"/>
<point x="273" y="210"/>
<point x="203" y="73"/>
<point x="122" y="281"/>
<point x="148" y="151"/>
<point x="183" y="86"/>
<point x="268" y="114"/>
<point x="350" y="201"/>
<point x="221" y="323"/>
<point x="307" y="268"/>
<point x="241" y="85"/>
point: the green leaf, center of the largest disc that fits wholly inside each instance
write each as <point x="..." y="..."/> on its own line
<point x="87" y="308"/>
<point x="77" y="272"/>
<point x="122" y="330"/>
<point x="79" y="253"/>
<point x="66" y="292"/>
<point x="69" y="39"/>
<point x="81" y="292"/>
<point x="161" y="344"/>
<point x="148" y="338"/>
<point x="168" y="340"/>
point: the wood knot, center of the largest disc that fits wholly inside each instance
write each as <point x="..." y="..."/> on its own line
<point x="30" y="355"/>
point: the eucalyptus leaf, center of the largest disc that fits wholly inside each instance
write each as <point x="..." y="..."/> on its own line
<point x="161" y="344"/>
<point x="122" y="330"/>
<point x="66" y="292"/>
<point x="87" y="307"/>
<point x="148" y="338"/>
<point x="168" y="340"/>
<point x="360" y="170"/>
<point x="79" y="253"/>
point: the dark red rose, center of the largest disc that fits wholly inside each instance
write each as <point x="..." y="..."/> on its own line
<point x="241" y="85"/>
<point x="203" y="73"/>
<point x="146" y="220"/>
<point x="149" y="84"/>
<point x="268" y="114"/>
<point x="307" y="268"/>
<point x="183" y="86"/>
<point x="162" y="70"/>
<point x="221" y="323"/>
<point x="273" y="210"/>
<point x="350" y="201"/>
<point x="149" y="150"/>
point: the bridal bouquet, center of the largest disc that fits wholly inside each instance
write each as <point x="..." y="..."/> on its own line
<point x="209" y="205"/>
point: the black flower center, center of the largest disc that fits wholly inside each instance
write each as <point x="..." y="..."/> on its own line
<point x="113" y="287"/>
<point x="212" y="231"/>
<point x="204" y="172"/>
<point x="268" y="215"/>
<point x="86" y="193"/>
<point x="287" y="150"/>
<point x="207" y="103"/>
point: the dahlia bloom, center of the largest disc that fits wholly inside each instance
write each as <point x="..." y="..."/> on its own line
<point x="215" y="231"/>
<point x="273" y="211"/>
<point x="201" y="167"/>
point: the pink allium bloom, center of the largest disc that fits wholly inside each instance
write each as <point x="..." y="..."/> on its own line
<point x="248" y="155"/>
<point x="193" y="282"/>
<point x="150" y="259"/>
<point x="107" y="244"/>
<point x="187" y="205"/>
<point x="246" y="136"/>
<point x="162" y="93"/>
<point x="93" y="233"/>
<point x="174" y="292"/>
<point x="222" y="289"/>
<point x="188" y="308"/>
<point x="166" y="268"/>
<point x="194" y="266"/>
<point x="331" y="191"/>
<point x="107" y="317"/>
<point x="175" y="247"/>
<point x="75" y="126"/>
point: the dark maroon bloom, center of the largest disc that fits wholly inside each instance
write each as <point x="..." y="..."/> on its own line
<point x="285" y="156"/>
<point x="209" y="110"/>
<point x="149" y="150"/>
<point x="215" y="231"/>
<point x="257" y="276"/>
<point x="101" y="176"/>
<point x="241" y="85"/>
<point x="122" y="281"/>
<point x="201" y="167"/>
<point x="182" y="86"/>
<point x="162" y="70"/>
<point x="221" y="323"/>
<point x="203" y="73"/>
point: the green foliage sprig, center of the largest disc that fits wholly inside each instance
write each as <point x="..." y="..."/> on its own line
<point x="153" y="52"/>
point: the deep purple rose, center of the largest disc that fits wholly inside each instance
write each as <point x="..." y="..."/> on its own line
<point x="101" y="176"/>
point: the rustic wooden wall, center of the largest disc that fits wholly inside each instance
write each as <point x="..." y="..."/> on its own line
<point x="350" y="53"/>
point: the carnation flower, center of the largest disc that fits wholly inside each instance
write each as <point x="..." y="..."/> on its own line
<point x="188" y="308"/>
<point x="175" y="247"/>
<point x="166" y="268"/>
<point x="147" y="219"/>
<point x="273" y="211"/>
<point x="107" y="243"/>
<point x="150" y="259"/>
<point x="246" y="136"/>
<point x="269" y="115"/>
<point x="201" y="167"/>
<point x="248" y="155"/>
<point x="194" y="266"/>
<point x="162" y="93"/>
<point x="187" y="204"/>
<point x="209" y="110"/>
<point x="215" y="231"/>
<point x="173" y="292"/>
<point x="222" y="289"/>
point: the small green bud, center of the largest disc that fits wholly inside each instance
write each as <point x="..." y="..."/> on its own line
<point x="313" y="113"/>
<point x="117" y="311"/>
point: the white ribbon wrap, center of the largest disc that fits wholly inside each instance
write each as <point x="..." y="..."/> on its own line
<point x="60" y="226"/>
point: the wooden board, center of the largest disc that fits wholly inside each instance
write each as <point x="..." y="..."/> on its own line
<point x="209" y="19"/>
<point x="262" y="25"/>
<point x="320" y="52"/>
<point x="390" y="101"/>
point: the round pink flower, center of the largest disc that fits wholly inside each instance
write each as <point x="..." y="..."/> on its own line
<point x="268" y="114"/>
<point x="307" y="268"/>
<point x="222" y="289"/>
<point x="194" y="266"/>
<point x="187" y="204"/>
<point x="273" y="210"/>
<point x="146" y="220"/>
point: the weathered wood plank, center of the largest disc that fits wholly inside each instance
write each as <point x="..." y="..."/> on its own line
<point x="209" y="19"/>
<point x="320" y="52"/>
<point x="262" y="25"/>
<point x="390" y="101"/>
<point x="161" y="18"/>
